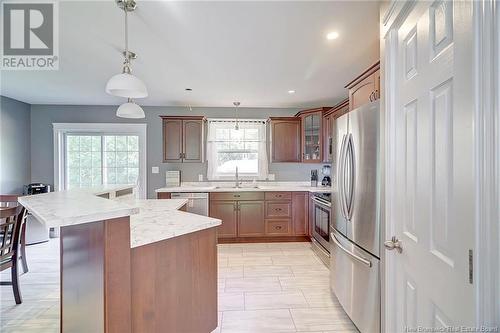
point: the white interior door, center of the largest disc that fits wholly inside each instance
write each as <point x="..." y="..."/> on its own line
<point x="430" y="182"/>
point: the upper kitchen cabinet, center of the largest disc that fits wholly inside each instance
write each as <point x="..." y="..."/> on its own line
<point x="329" y="128"/>
<point x="312" y="134"/>
<point x="183" y="139"/>
<point x="285" y="139"/>
<point x="365" y="88"/>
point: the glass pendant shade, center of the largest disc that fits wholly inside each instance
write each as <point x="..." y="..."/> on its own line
<point x="130" y="110"/>
<point x="126" y="85"/>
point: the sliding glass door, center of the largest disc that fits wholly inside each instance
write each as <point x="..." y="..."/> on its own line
<point x="100" y="159"/>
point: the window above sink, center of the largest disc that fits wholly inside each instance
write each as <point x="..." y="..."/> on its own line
<point x="237" y="144"/>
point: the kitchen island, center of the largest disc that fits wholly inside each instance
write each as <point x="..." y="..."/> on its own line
<point x="130" y="265"/>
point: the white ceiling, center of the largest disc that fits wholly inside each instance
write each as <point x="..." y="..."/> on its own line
<point x="253" y="52"/>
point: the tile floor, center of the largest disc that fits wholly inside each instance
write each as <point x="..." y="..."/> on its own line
<point x="263" y="288"/>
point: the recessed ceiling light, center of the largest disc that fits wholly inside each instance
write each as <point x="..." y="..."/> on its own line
<point x="291" y="92"/>
<point x="332" y="35"/>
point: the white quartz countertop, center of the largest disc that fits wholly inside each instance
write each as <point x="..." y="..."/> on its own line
<point x="229" y="187"/>
<point x="161" y="219"/>
<point x="150" y="220"/>
<point x="76" y="206"/>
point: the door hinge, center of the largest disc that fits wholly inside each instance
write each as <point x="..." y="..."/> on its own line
<point x="471" y="267"/>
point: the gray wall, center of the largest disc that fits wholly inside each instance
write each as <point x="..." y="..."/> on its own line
<point x="14" y="145"/>
<point x="42" y="117"/>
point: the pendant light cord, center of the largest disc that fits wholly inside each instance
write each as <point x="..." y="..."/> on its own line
<point x="126" y="64"/>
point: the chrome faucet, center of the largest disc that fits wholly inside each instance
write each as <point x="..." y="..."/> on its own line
<point x="237" y="185"/>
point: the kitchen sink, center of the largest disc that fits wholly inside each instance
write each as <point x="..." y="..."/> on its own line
<point x="236" y="188"/>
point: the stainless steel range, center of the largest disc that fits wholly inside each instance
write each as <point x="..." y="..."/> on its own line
<point x="321" y="211"/>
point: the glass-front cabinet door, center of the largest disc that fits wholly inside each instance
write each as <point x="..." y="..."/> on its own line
<point x="312" y="137"/>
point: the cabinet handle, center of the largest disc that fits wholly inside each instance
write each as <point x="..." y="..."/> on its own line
<point x="278" y="209"/>
<point x="278" y="227"/>
<point x="235" y="207"/>
<point x="376" y="95"/>
<point x="237" y="195"/>
<point x="371" y="97"/>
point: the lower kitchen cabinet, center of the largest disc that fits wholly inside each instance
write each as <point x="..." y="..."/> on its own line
<point x="278" y="227"/>
<point x="227" y="212"/>
<point x="259" y="216"/>
<point x="300" y="213"/>
<point x="251" y="221"/>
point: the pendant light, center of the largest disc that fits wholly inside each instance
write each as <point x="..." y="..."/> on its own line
<point x="126" y="84"/>
<point x="236" y="105"/>
<point x="130" y="110"/>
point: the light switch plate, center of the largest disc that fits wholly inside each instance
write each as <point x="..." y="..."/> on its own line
<point x="270" y="176"/>
<point x="155" y="169"/>
<point x="200" y="178"/>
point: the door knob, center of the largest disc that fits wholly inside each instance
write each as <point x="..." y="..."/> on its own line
<point x="392" y="244"/>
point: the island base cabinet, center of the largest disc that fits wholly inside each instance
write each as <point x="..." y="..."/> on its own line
<point x="95" y="277"/>
<point x="174" y="284"/>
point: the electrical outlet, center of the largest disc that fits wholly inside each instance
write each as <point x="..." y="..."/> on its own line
<point x="200" y="178"/>
<point x="270" y="176"/>
<point x="155" y="169"/>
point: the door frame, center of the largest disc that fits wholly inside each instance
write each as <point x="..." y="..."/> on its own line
<point x="486" y="70"/>
<point x="486" y="29"/>
<point x="61" y="129"/>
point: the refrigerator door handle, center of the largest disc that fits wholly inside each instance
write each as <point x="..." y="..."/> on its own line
<point x="362" y="260"/>
<point x="341" y="175"/>
<point x="352" y="176"/>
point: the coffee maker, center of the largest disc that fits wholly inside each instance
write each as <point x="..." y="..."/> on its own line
<point x="326" y="171"/>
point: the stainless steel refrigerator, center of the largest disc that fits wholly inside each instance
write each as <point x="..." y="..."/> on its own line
<point x="355" y="225"/>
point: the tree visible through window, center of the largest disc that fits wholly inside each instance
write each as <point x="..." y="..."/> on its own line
<point x="243" y="146"/>
<point x="101" y="159"/>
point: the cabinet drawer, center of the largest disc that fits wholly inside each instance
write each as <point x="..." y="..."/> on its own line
<point x="278" y="209"/>
<point x="278" y="195"/>
<point x="237" y="196"/>
<point x="278" y="227"/>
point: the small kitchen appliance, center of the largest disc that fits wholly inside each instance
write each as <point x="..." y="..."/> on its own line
<point x="314" y="178"/>
<point x="327" y="181"/>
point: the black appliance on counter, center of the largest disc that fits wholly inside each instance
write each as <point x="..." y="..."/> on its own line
<point x="36" y="188"/>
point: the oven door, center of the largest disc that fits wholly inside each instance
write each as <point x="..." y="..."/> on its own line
<point x="321" y="222"/>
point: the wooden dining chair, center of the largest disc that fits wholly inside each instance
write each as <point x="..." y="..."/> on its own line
<point x="10" y="200"/>
<point x="11" y="223"/>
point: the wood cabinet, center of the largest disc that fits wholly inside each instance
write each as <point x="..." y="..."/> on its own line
<point x="312" y="134"/>
<point x="260" y="215"/>
<point x="163" y="195"/>
<point x="300" y="213"/>
<point x="278" y="227"/>
<point x="285" y="134"/>
<point x="329" y="129"/>
<point x="251" y="221"/>
<point x="365" y="88"/>
<point x="228" y="213"/>
<point x="183" y="139"/>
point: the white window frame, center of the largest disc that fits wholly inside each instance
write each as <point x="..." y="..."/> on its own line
<point x="263" y="171"/>
<point x="61" y="129"/>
